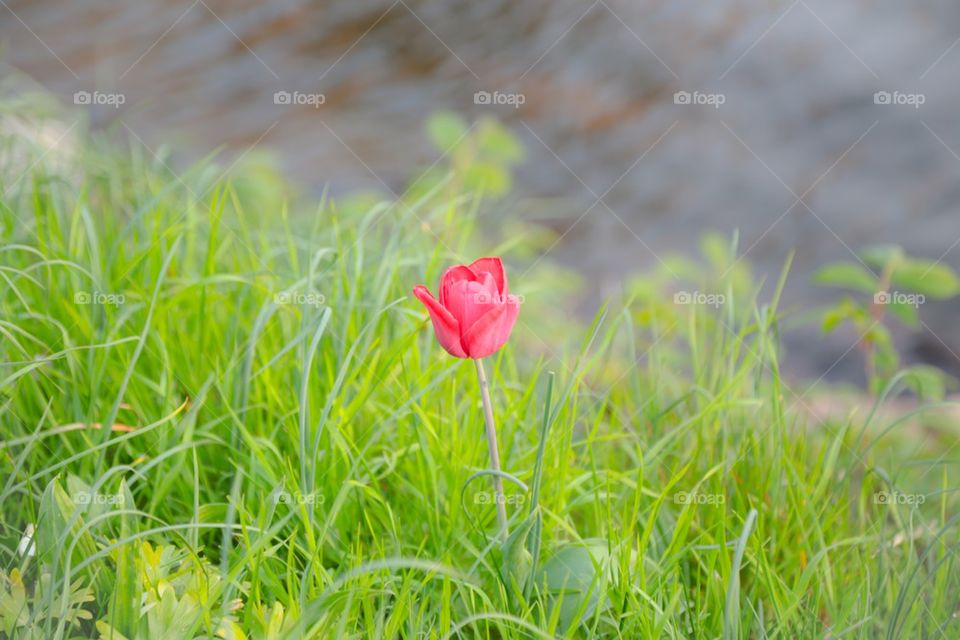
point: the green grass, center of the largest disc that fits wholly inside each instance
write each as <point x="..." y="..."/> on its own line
<point x="301" y="469"/>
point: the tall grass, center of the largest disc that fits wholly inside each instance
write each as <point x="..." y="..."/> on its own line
<point x="224" y="415"/>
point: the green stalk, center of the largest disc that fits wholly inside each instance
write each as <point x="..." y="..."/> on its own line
<point x="494" y="452"/>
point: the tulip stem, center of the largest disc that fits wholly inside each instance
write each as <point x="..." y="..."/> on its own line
<point x="494" y="452"/>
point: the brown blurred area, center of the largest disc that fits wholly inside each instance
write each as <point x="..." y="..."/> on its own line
<point x="799" y="155"/>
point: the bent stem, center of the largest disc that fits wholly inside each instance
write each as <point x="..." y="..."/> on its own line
<point x="492" y="446"/>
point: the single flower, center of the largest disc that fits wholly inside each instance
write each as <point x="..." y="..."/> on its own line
<point x="475" y="313"/>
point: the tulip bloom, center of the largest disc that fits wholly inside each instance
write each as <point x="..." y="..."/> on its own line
<point x="475" y="313"/>
<point x="472" y="319"/>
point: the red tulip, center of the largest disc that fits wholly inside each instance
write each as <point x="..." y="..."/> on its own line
<point x="475" y="313"/>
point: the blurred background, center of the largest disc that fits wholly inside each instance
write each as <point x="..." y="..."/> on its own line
<point x="814" y="125"/>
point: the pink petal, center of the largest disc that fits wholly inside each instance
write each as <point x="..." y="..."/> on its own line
<point x="468" y="300"/>
<point x="451" y="277"/>
<point x="444" y="324"/>
<point x="492" y="330"/>
<point x="493" y="266"/>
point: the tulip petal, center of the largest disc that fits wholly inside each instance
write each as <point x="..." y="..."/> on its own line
<point x="468" y="300"/>
<point x="491" y="330"/>
<point x="444" y="324"/>
<point x="493" y="266"/>
<point x="450" y="278"/>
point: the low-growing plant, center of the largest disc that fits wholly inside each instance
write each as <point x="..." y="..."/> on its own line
<point x="895" y="285"/>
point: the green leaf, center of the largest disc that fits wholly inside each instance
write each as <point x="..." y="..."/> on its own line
<point x="848" y="276"/>
<point x="81" y="494"/>
<point x="886" y="357"/>
<point x="906" y="312"/>
<point x="50" y="523"/>
<point x="832" y="319"/>
<point x="446" y="129"/>
<point x="14" y="610"/>
<point x="127" y="600"/>
<point x="57" y="509"/>
<point x="498" y="144"/>
<point x="573" y="578"/>
<point x="879" y="256"/>
<point x="716" y="249"/>
<point x="517" y="560"/>
<point x="487" y="177"/>
<point x="731" y="610"/>
<point x="929" y="383"/>
<point x="933" y="279"/>
<point x="107" y="632"/>
<point x="845" y="311"/>
<point x="536" y="537"/>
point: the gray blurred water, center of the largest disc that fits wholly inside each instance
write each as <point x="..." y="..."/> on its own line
<point x="798" y="155"/>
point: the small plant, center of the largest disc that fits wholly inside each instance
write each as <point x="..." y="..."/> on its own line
<point x="897" y="285"/>
<point x="472" y="319"/>
<point x="26" y="612"/>
<point x="480" y="156"/>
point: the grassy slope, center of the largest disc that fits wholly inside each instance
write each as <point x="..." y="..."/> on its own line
<point x="352" y="410"/>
